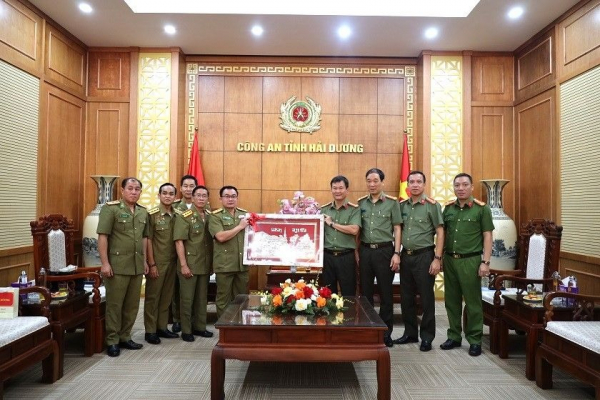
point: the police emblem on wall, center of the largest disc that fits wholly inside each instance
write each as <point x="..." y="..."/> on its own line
<point x="300" y="116"/>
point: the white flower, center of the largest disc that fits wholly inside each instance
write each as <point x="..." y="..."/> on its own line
<point x="334" y="296"/>
<point x="300" y="280"/>
<point x="301" y="304"/>
<point x="313" y="297"/>
<point x="288" y="281"/>
<point x="301" y="320"/>
<point x="287" y="291"/>
<point x="264" y="301"/>
<point x="339" y="303"/>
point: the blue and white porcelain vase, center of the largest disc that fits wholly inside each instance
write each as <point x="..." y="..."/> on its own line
<point x="504" y="245"/>
<point x="89" y="242"/>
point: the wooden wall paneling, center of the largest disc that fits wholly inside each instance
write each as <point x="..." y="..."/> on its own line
<point x="243" y="94"/>
<point x="390" y="96"/>
<point x="536" y="155"/>
<point x="535" y="69"/>
<point x="324" y="91"/>
<point x="11" y="266"/>
<point x="211" y="94"/>
<point x="359" y="129"/>
<point x="212" y="167"/>
<point x="390" y="133"/>
<point x="492" y="79"/>
<point x="243" y="169"/>
<point x="578" y="45"/>
<point x="21" y="36"/>
<point x="211" y="130"/>
<point x="61" y="154"/>
<point x="390" y="165"/>
<point x="179" y="135"/>
<point x="276" y="91"/>
<point x="107" y="146"/>
<point x="316" y="168"/>
<point x="358" y="95"/>
<point x="586" y="269"/>
<point x="249" y="199"/>
<point x="354" y="167"/>
<point x="278" y="165"/>
<point x="423" y="109"/>
<point x="65" y="63"/>
<point x="245" y="127"/>
<point x="466" y="110"/>
<point x="492" y="144"/>
<point x="109" y="74"/>
<point x="270" y="199"/>
<point x="133" y="112"/>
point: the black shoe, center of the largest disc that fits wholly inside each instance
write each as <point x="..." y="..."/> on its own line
<point x="152" y="338"/>
<point x="113" y="350"/>
<point x="449" y="344"/>
<point x="188" y="337"/>
<point x="131" y="345"/>
<point x="388" y="341"/>
<point x="406" y="339"/>
<point x="475" y="350"/>
<point x="176" y="327"/>
<point x="167" y="334"/>
<point x="204" y="333"/>
<point x="425" y="345"/>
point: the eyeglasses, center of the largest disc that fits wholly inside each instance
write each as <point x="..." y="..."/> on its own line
<point x="201" y="195"/>
<point x="230" y="196"/>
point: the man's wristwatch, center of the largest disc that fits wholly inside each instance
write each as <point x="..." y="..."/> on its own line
<point x="437" y="257"/>
<point x="397" y="252"/>
<point x="485" y="262"/>
<point x="331" y="224"/>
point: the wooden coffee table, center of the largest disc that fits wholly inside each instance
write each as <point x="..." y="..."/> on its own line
<point x="249" y="335"/>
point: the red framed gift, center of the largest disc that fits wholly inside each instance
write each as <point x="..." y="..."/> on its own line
<point x="284" y="240"/>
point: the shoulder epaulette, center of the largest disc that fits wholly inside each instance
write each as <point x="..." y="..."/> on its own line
<point x="187" y="213"/>
<point x="178" y="211"/>
<point x="328" y="204"/>
<point x="113" y="203"/>
<point x="153" y="211"/>
<point x="449" y="203"/>
<point x="402" y="201"/>
<point x="362" y="198"/>
<point x="177" y="201"/>
<point x="479" y="202"/>
<point x="218" y="210"/>
<point x="139" y="205"/>
<point x="241" y="209"/>
<point x="207" y="212"/>
<point x="353" y="205"/>
<point x="430" y="200"/>
<point x="391" y="197"/>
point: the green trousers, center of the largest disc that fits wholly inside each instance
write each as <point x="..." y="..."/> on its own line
<point x="229" y="285"/>
<point x="175" y="302"/>
<point x="122" y="305"/>
<point x="461" y="280"/>
<point x="159" y="293"/>
<point x="193" y="294"/>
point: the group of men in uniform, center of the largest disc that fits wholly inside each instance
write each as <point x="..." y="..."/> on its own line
<point x="176" y="245"/>
<point x="186" y="242"/>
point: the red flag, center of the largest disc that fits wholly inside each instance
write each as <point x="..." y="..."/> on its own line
<point x="404" y="171"/>
<point x="195" y="167"/>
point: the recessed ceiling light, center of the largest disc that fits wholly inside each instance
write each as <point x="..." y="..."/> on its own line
<point x="170" y="29"/>
<point x="257" y="30"/>
<point x="344" y="32"/>
<point x="515" y="12"/>
<point x="86" y="8"/>
<point x="431" y="33"/>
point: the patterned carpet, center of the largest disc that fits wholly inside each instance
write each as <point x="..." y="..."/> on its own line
<point x="180" y="370"/>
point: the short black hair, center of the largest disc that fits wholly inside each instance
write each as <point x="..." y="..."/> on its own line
<point x="224" y="188"/>
<point x="376" y="171"/>
<point x="130" y="178"/>
<point x="461" y="175"/>
<point x="200" y="187"/>
<point x="415" y="172"/>
<point x="340" y="178"/>
<point x="183" y="178"/>
<point x="166" y="184"/>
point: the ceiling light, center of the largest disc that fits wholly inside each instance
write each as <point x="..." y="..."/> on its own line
<point x="257" y="30"/>
<point x="344" y="32"/>
<point x="515" y="12"/>
<point x="86" y="8"/>
<point x="431" y="33"/>
<point x="170" y="29"/>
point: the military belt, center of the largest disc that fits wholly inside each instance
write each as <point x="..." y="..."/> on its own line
<point x="337" y="253"/>
<point x="418" y="251"/>
<point x="377" y="245"/>
<point x="467" y="255"/>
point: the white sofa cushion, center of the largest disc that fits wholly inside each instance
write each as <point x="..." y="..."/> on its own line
<point x="101" y="289"/>
<point x="584" y="333"/>
<point x="15" y="328"/>
<point x="487" y="295"/>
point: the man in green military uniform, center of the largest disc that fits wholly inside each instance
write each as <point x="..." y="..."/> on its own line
<point x="468" y="226"/>
<point x="342" y="223"/>
<point x="162" y="260"/>
<point x="194" y="265"/>
<point x="188" y="183"/>
<point x="421" y="255"/>
<point x="226" y="226"/>
<point x="380" y="238"/>
<point x="122" y="242"/>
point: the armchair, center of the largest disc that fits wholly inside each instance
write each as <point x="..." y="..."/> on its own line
<point x="538" y="255"/>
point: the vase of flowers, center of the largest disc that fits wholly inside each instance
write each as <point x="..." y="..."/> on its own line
<point x="301" y="298"/>
<point x="299" y="205"/>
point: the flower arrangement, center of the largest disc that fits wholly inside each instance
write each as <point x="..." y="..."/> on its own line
<point x="302" y="298"/>
<point x="300" y="205"/>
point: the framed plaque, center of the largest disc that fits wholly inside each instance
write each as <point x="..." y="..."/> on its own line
<point x="285" y="240"/>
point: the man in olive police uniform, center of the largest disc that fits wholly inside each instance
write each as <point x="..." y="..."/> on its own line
<point x="380" y="238"/>
<point x="342" y="223"/>
<point x="468" y="225"/>
<point x="194" y="265"/>
<point x="422" y="218"/>
<point x="162" y="261"/>
<point x="122" y="242"/>
<point x="226" y="226"/>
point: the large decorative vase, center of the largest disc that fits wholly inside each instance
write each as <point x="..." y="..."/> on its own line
<point x="504" y="245"/>
<point x="89" y="243"/>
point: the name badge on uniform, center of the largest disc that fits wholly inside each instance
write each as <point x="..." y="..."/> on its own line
<point x="124" y="216"/>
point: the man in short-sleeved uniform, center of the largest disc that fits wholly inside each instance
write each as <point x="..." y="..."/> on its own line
<point x="342" y="224"/>
<point x="421" y="255"/>
<point x="468" y="225"/>
<point x="380" y="237"/>
<point x="226" y="226"/>
<point x="122" y="242"/>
